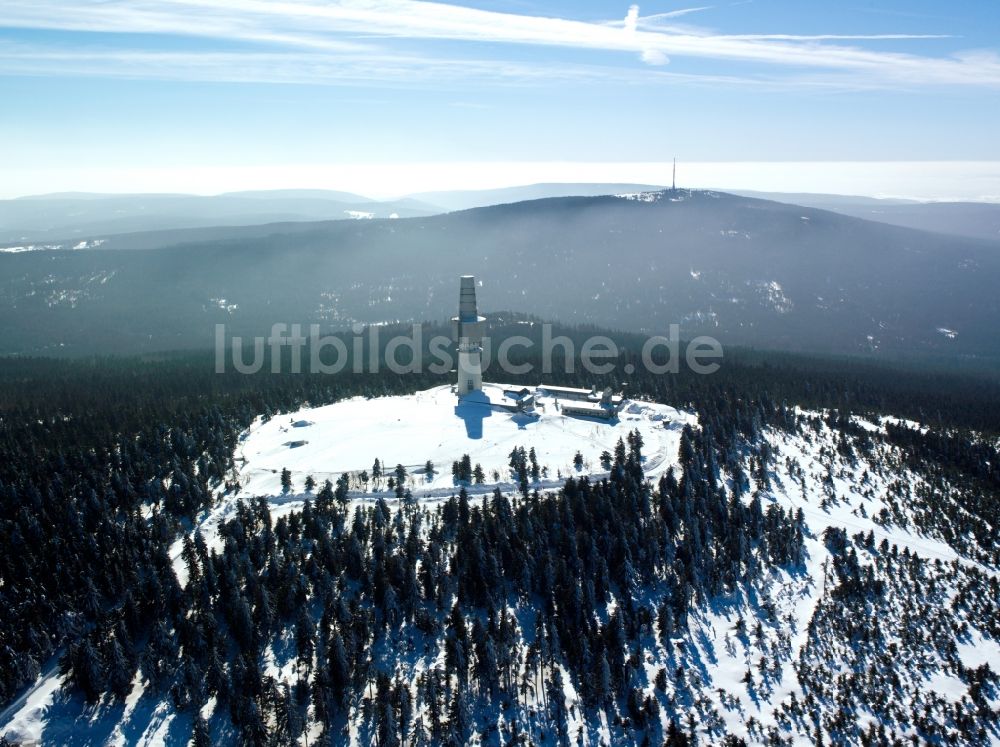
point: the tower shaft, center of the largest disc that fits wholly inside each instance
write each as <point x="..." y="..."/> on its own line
<point x="467" y="331"/>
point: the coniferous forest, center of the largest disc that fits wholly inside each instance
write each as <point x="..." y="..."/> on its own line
<point x="488" y="373"/>
<point x="560" y="617"/>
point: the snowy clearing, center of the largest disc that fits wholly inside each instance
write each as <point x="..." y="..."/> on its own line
<point x="349" y="436"/>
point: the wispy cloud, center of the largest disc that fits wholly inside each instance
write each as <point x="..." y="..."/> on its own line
<point x="311" y="68"/>
<point x="631" y="19"/>
<point x="838" y="37"/>
<point x="678" y="13"/>
<point x="372" y="27"/>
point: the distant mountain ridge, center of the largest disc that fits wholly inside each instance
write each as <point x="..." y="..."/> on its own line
<point x="750" y="272"/>
<point x="466" y="199"/>
<point x="312" y="194"/>
<point x="71" y="216"/>
<point x="61" y="217"/>
<point x="978" y="220"/>
<point x="823" y="201"/>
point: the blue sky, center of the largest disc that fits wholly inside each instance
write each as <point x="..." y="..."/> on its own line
<point x="391" y="96"/>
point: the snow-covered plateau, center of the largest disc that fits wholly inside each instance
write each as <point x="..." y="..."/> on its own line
<point x="434" y="425"/>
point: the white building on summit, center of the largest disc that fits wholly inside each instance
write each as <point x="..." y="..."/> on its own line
<point x="467" y="331"/>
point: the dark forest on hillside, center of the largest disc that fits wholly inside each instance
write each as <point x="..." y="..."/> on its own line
<point x="103" y="462"/>
<point x="749" y="272"/>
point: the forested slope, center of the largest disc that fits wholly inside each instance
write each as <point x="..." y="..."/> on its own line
<point x="800" y="572"/>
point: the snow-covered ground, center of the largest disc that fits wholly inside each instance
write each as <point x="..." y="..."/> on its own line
<point x="348" y="436"/>
<point x="743" y="651"/>
<point x="434" y="425"/>
<point x="27" y="717"/>
<point x="832" y="492"/>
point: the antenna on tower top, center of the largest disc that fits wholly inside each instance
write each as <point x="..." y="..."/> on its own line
<point x="674" y="187"/>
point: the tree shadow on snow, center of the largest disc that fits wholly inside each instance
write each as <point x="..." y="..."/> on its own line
<point x="72" y="722"/>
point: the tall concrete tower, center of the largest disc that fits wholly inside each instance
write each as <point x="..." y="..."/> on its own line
<point x="467" y="331"/>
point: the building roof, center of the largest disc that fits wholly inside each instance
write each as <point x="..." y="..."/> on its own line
<point x="590" y="407"/>
<point x="566" y="390"/>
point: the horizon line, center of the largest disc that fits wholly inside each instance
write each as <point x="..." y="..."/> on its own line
<point x="931" y="180"/>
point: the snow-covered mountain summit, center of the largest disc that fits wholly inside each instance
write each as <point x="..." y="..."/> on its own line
<point x="805" y="577"/>
<point x="434" y="427"/>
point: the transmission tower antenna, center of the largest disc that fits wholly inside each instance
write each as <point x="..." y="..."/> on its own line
<point x="674" y="187"/>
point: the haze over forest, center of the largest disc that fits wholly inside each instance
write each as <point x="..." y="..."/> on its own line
<point x="745" y="270"/>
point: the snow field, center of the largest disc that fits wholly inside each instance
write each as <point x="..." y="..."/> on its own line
<point x="348" y="436"/>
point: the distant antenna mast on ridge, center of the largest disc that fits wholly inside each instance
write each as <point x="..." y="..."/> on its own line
<point x="673" y="188"/>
